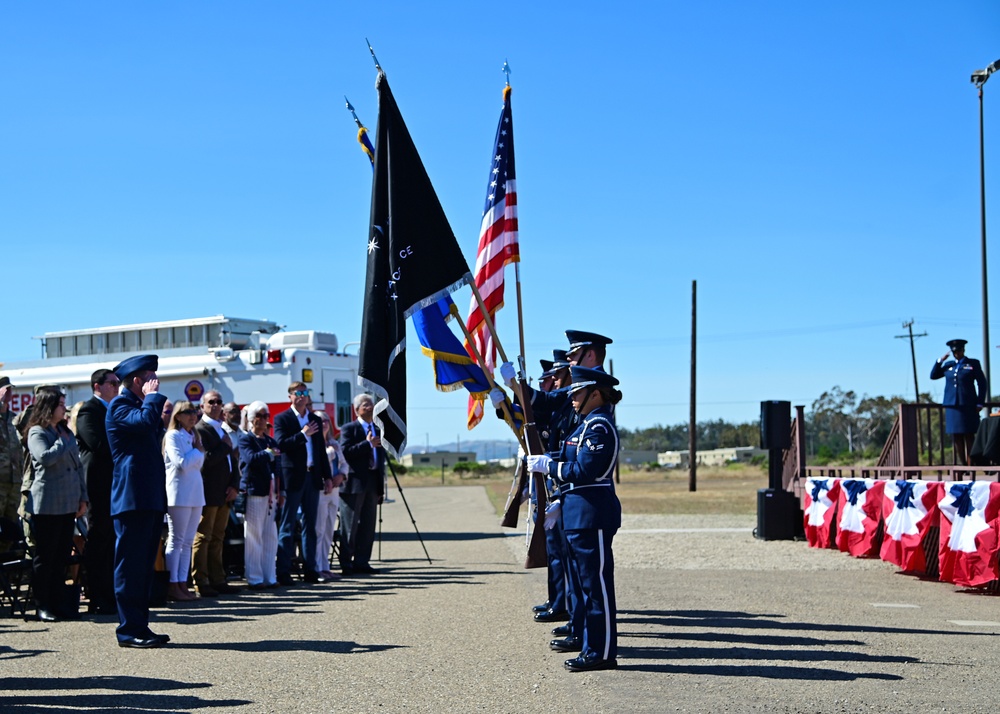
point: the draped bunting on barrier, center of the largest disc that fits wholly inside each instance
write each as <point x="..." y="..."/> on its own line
<point x="853" y="513"/>
<point x="860" y="509"/>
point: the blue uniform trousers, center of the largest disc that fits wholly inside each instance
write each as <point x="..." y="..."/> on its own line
<point x="308" y="498"/>
<point x="555" y="551"/>
<point x="592" y="568"/>
<point x="137" y="539"/>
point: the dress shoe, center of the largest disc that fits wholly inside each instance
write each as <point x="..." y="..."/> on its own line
<point x="44" y="615"/>
<point x="327" y="577"/>
<point x="552" y="616"/>
<point x="542" y="608"/>
<point x="567" y="644"/>
<point x="225" y="588"/>
<point x="142" y="643"/>
<point x="346" y="570"/>
<point x="258" y="586"/>
<point x="285" y="579"/>
<point x="563" y="630"/>
<point x="207" y="591"/>
<point x="591" y="663"/>
<point x="365" y="570"/>
<point x="311" y="577"/>
<point x="164" y="639"/>
<point x="271" y="586"/>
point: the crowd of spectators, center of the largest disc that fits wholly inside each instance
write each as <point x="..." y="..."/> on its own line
<point x="129" y="476"/>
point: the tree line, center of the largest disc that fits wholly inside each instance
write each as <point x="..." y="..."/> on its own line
<point x="840" y="425"/>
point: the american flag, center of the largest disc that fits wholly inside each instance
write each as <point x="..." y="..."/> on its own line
<point x="497" y="244"/>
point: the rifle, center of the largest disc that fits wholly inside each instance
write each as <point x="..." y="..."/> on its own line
<point x="536" y="557"/>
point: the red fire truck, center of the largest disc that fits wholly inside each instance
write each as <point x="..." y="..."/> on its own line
<point x="244" y="360"/>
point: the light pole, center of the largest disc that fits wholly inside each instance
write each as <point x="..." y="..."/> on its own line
<point x="979" y="78"/>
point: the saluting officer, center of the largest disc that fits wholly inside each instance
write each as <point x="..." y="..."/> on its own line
<point x="964" y="395"/>
<point x="591" y="514"/>
<point x="138" y="494"/>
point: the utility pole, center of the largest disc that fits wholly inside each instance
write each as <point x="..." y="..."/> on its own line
<point x="693" y="424"/>
<point x="916" y="387"/>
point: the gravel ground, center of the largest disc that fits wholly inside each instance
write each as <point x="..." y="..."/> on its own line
<point x="710" y="620"/>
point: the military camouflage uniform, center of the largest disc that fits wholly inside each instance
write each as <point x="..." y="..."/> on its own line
<point x="11" y="466"/>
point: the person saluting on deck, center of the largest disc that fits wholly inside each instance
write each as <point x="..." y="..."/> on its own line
<point x="964" y="395"/>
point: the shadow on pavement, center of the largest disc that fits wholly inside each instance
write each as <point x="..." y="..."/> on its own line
<point x="326" y="646"/>
<point x="127" y="694"/>
<point x="748" y="621"/>
<point x="759" y="646"/>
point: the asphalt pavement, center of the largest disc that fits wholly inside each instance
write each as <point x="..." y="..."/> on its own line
<point x="710" y="620"/>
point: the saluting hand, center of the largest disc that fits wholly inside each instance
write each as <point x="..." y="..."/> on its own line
<point x="946" y="355"/>
<point x="151" y="386"/>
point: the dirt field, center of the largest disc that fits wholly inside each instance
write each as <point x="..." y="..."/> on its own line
<point x="720" y="491"/>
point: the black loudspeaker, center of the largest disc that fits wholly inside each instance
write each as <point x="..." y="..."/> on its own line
<point x="775" y="425"/>
<point x="779" y="516"/>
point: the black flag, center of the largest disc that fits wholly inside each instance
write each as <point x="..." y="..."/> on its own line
<point x="413" y="261"/>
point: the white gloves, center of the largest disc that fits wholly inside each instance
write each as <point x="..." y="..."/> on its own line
<point x="497" y="397"/>
<point x="552" y="515"/>
<point x="539" y="463"/>
<point x="508" y="373"/>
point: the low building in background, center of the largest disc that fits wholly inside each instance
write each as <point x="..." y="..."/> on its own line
<point x="437" y="459"/>
<point x="711" y="457"/>
<point x="637" y="457"/>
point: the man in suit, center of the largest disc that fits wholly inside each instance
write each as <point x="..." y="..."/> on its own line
<point x="363" y="490"/>
<point x="138" y="495"/>
<point x="304" y="471"/>
<point x="95" y="454"/>
<point x="964" y="395"/>
<point x="221" y="481"/>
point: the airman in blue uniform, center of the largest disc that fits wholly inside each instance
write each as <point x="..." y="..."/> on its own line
<point x="554" y="429"/>
<point x="964" y="395"/>
<point x="138" y="494"/>
<point x="590" y="514"/>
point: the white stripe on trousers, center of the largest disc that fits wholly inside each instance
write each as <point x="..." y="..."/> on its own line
<point x="260" y="532"/>
<point x="604" y="595"/>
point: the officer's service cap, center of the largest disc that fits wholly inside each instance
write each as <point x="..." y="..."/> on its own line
<point x="957" y="343"/>
<point x="578" y="339"/>
<point x="583" y="377"/>
<point x="5" y="382"/>
<point x="139" y="363"/>
<point x="559" y="360"/>
<point x="546" y="366"/>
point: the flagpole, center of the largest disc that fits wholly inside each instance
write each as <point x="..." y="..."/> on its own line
<point x="496" y="341"/>
<point x="482" y="365"/>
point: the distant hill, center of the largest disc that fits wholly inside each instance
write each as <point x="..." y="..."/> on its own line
<point x="485" y="449"/>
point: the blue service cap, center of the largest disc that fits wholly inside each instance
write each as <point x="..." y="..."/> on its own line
<point x="583" y="377"/>
<point x="546" y="365"/>
<point x="139" y="363"/>
<point x="559" y="360"/>
<point x="957" y="343"/>
<point x="579" y="338"/>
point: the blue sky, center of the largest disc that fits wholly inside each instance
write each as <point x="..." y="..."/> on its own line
<point x="815" y="167"/>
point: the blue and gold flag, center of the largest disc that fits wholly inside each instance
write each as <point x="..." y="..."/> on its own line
<point x="453" y="368"/>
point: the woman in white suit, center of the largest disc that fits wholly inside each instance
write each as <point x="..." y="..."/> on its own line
<point x="183" y="456"/>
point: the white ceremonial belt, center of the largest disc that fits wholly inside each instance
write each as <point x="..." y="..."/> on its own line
<point x="573" y="487"/>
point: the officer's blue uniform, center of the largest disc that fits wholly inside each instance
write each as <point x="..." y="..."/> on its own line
<point x="964" y="391"/>
<point x="561" y="594"/>
<point x="591" y="515"/>
<point x="138" y="503"/>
